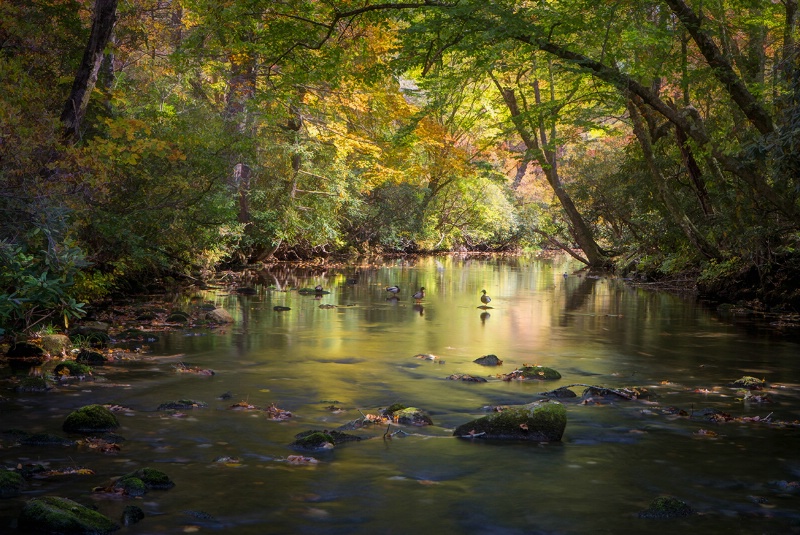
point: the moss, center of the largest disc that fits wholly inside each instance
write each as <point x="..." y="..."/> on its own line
<point x="50" y="514"/>
<point x="313" y="440"/>
<point x="130" y="486"/>
<point x="138" y="482"/>
<point x="394" y="407"/>
<point x="33" y="384"/>
<point x="540" y="422"/>
<point x="751" y="383"/>
<point x="72" y="368"/>
<point x="182" y="405"/>
<point x="541" y="373"/>
<point x="10" y="484"/>
<point x="90" y="419"/>
<point x="412" y="416"/>
<point x="488" y="360"/>
<point x="666" y="507"/>
<point x="45" y="439"/>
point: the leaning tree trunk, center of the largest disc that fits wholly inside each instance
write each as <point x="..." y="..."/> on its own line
<point x="580" y="230"/>
<point x="105" y="15"/>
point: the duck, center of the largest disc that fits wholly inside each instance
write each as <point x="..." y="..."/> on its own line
<point x="485" y="299"/>
<point x="393" y="290"/>
<point x="420" y="295"/>
<point x="319" y="288"/>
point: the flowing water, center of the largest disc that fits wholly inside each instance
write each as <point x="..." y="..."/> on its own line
<point x="360" y="356"/>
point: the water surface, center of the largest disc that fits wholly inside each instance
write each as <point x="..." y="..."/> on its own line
<point x="360" y="356"/>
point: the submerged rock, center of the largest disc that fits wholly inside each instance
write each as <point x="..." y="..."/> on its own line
<point x="51" y="514"/>
<point x="182" y="405"/>
<point x="537" y="373"/>
<point x="750" y="383"/>
<point x="488" y="360"/>
<point x="467" y="378"/>
<point x="70" y="368"/>
<point x="33" y="383"/>
<point x="10" y="484"/>
<point x="45" y="439"/>
<point x="666" y="507"/>
<point x="132" y="515"/>
<point x="314" y="440"/>
<point x="90" y="419"/>
<point x="542" y="421"/>
<point x="137" y="483"/>
<point x="559" y="393"/>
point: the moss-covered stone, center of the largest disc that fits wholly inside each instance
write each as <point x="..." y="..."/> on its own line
<point x="539" y="422"/>
<point x="55" y="344"/>
<point x="51" y="514"/>
<point x="541" y="373"/>
<point x="70" y="368"/>
<point x="666" y="507"/>
<point x="559" y="393"/>
<point x="138" y="482"/>
<point x="132" y="515"/>
<point x="748" y="382"/>
<point x="182" y="405"/>
<point x="314" y="440"/>
<point x="412" y="416"/>
<point x="45" y="439"/>
<point x="10" y="484"/>
<point x="33" y="383"/>
<point x="394" y="407"/>
<point x="178" y="316"/>
<point x="90" y="419"/>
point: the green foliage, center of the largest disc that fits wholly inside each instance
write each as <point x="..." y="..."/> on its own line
<point x="35" y="288"/>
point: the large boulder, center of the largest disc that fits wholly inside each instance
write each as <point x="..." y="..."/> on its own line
<point x="50" y="514"/>
<point x="90" y="419"/>
<point x="542" y="421"/>
<point x="219" y="315"/>
<point x="56" y="344"/>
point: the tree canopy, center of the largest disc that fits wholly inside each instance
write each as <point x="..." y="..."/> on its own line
<point x="165" y="137"/>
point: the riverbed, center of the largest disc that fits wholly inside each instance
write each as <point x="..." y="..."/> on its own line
<point x="338" y="355"/>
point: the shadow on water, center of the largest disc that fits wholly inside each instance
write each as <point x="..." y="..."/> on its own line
<point x="332" y="358"/>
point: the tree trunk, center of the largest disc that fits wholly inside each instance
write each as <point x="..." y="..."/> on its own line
<point x="547" y="161"/>
<point x="86" y="77"/>
<point x="694" y="236"/>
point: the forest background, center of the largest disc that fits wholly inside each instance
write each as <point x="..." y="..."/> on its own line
<point x="144" y="139"/>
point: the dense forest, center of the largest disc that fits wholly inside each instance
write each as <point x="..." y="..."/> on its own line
<point x="144" y="138"/>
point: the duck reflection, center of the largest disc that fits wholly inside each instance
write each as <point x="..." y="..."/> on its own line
<point x="419" y="308"/>
<point x="485" y="316"/>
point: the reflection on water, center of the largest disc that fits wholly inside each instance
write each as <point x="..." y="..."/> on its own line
<point x="354" y="348"/>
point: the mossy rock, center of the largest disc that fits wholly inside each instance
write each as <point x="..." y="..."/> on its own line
<point x="33" y="383"/>
<point x="488" y="360"/>
<point x="55" y="344"/>
<point x="51" y="514"/>
<point x="70" y="368"/>
<point x="132" y="515"/>
<point x="750" y="383"/>
<point x="411" y="416"/>
<point x="138" y="482"/>
<point x="315" y="440"/>
<point x="90" y="419"/>
<point x="312" y="291"/>
<point x="132" y="334"/>
<point x="45" y="439"/>
<point x="559" y="393"/>
<point x="90" y="357"/>
<point x="10" y="484"/>
<point x="182" y="405"/>
<point x="219" y="315"/>
<point x="537" y="422"/>
<point x="146" y="316"/>
<point x="667" y="507"/>
<point x="540" y="373"/>
<point x="394" y="407"/>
